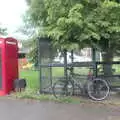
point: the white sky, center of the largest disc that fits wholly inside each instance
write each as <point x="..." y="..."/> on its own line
<point x="11" y="12"/>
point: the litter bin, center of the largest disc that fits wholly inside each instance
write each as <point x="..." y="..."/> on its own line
<point x="20" y="85"/>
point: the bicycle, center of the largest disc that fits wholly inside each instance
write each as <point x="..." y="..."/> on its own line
<point x="95" y="88"/>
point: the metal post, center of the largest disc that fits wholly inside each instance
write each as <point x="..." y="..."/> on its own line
<point x="93" y="55"/>
<point x="51" y="62"/>
<point x="72" y="56"/>
<point x="94" y="61"/>
<point x="72" y="59"/>
<point x="65" y="63"/>
<point x="39" y="64"/>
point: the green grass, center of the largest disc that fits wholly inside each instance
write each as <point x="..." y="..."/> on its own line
<point x="32" y="78"/>
<point x="31" y="94"/>
<point x="33" y="81"/>
<point x="33" y="84"/>
<point x="57" y="71"/>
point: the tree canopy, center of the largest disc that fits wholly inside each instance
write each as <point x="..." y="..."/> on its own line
<point x="77" y="21"/>
<point x="3" y="31"/>
<point x="94" y="23"/>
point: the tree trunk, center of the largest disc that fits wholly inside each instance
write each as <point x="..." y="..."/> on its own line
<point x="107" y="58"/>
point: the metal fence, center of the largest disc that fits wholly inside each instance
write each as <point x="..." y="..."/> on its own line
<point x="51" y="70"/>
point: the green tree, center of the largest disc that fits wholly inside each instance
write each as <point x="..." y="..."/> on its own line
<point x="3" y="31"/>
<point x="83" y="22"/>
<point x="32" y="55"/>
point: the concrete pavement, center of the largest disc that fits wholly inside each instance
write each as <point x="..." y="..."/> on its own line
<point x="34" y="110"/>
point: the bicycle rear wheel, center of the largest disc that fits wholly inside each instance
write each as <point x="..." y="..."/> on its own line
<point x="98" y="89"/>
<point x="62" y="88"/>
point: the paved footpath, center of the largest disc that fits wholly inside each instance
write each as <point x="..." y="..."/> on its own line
<point x="33" y="110"/>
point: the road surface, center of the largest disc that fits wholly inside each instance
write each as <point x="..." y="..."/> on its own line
<point x="34" y="110"/>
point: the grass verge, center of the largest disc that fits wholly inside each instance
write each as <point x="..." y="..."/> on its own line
<point x="32" y="78"/>
<point x="32" y="94"/>
<point x="33" y="85"/>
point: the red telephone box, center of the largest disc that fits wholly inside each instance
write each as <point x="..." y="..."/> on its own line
<point x="8" y="64"/>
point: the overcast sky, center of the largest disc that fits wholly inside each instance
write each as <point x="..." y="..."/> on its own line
<point x="11" y="12"/>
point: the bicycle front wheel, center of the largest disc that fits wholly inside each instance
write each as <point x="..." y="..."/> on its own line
<point x="62" y="88"/>
<point x="98" y="89"/>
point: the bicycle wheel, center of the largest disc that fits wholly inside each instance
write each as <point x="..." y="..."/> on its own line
<point x="98" y="89"/>
<point x="62" y="88"/>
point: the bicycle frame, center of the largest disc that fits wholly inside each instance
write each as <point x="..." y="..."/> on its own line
<point x="71" y="86"/>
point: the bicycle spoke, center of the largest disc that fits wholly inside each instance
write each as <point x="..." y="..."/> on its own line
<point x="62" y="89"/>
<point x="98" y="89"/>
